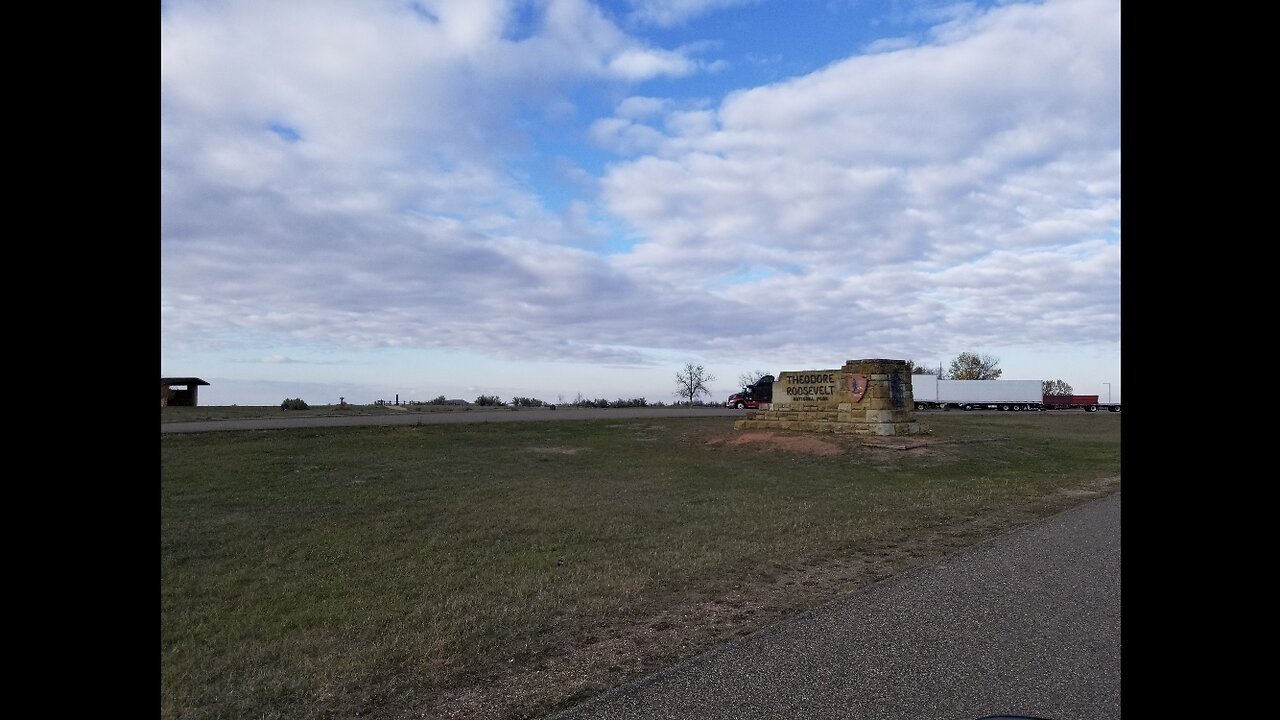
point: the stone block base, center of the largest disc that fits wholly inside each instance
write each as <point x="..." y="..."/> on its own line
<point x="853" y="427"/>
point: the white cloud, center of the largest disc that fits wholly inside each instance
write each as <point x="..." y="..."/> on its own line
<point x="668" y="13"/>
<point x="638" y="108"/>
<point x="897" y="162"/>
<point x="338" y="176"/>
<point x="624" y="137"/>
<point x="641" y="64"/>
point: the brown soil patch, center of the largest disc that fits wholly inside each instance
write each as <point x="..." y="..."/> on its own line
<point x="809" y="443"/>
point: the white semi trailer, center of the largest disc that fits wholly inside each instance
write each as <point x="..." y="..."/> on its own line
<point x="930" y="393"/>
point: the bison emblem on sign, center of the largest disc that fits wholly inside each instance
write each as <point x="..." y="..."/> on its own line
<point x="857" y="386"/>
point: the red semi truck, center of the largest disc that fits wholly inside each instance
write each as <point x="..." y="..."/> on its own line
<point x="753" y="395"/>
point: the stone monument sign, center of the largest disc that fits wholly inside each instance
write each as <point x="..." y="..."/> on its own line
<point x="864" y="397"/>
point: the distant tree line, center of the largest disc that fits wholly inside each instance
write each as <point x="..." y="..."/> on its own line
<point x="692" y="380"/>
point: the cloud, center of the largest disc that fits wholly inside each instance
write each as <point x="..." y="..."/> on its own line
<point x="899" y="162"/>
<point x="286" y="360"/>
<point x="636" y="108"/>
<point x="641" y="64"/>
<point x="669" y="13"/>
<point x="339" y="176"/>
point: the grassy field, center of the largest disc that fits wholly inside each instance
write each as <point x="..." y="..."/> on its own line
<point x="508" y="570"/>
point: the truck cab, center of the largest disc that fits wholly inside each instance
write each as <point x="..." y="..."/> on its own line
<point x="751" y="396"/>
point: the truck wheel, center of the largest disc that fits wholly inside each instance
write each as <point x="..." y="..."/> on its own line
<point x="741" y="406"/>
<point x="1092" y="408"/>
<point x="966" y="407"/>
<point x="1114" y="408"/>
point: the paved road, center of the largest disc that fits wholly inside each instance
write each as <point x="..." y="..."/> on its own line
<point x="1027" y="623"/>
<point x="427" y="418"/>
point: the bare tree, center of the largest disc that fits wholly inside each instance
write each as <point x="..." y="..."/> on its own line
<point x="749" y="379"/>
<point x="971" y="366"/>
<point x="691" y="382"/>
<point x="1056" y="387"/>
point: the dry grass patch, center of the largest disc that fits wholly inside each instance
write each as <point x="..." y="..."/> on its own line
<point x="554" y="450"/>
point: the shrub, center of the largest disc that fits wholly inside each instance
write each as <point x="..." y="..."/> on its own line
<point x="294" y="404"/>
<point x="633" y="402"/>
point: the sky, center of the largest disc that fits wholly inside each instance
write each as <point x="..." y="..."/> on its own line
<point x="369" y="200"/>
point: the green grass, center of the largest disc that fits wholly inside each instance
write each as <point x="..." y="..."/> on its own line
<point x="389" y="571"/>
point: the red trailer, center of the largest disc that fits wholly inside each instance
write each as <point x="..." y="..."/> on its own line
<point x="1088" y="403"/>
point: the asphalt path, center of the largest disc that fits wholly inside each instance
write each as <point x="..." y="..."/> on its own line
<point x="459" y="416"/>
<point x="1027" y="623"/>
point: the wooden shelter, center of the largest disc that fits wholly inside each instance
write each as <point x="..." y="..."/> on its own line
<point x="179" y="392"/>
